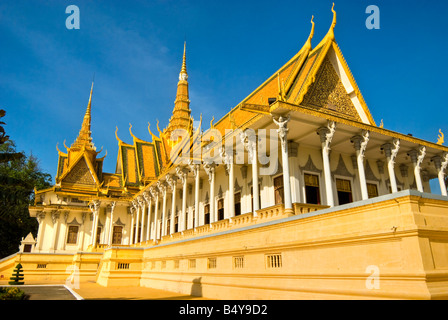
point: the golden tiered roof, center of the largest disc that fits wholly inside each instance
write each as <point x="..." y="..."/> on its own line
<point x="308" y="80"/>
<point x="142" y="162"/>
<point x="79" y="167"/>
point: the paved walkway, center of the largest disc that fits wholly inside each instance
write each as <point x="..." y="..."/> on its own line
<point x="93" y="291"/>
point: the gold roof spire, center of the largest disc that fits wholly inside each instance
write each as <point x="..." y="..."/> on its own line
<point x="84" y="138"/>
<point x="181" y="118"/>
<point x="183" y="72"/>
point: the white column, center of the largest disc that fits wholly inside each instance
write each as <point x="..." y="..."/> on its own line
<point x="194" y="167"/>
<point x="440" y="162"/>
<point x="210" y="170"/>
<point x="326" y="135"/>
<point x="40" y="234"/>
<point x="391" y="151"/>
<point x="293" y="151"/>
<point x="250" y="143"/>
<point x="227" y="156"/>
<point x="83" y="231"/>
<point x="55" y="219"/>
<point x="95" y="208"/>
<point x="417" y="157"/>
<point x="282" y="131"/>
<point x="111" y="223"/>
<point x="148" y="199"/>
<point x="65" y="228"/>
<point x="182" y="174"/>
<point x="172" y="181"/>
<point x="162" y="187"/>
<point x="155" y="228"/>
<point x="132" y="210"/>
<point x="360" y="144"/>
<point x="142" y="203"/>
<point x="137" y="219"/>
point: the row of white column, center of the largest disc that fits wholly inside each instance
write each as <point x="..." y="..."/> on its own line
<point x="391" y="150"/>
<point x="156" y="221"/>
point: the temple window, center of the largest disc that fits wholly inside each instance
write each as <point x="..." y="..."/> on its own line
<point x="372" y="190"/>
<point x="98" y="235"/>
<point x="211" y="263"/>
<point x="278" y="189"/>
<point x="344" y="191"/>
<point x="176" y="223"/>
<point x="220" y="209"/>
<point x="72" y="236"/>
<point x="237" y="199"/>
<point x="117" y="235"/>
<point x="312" y="192"/>
<point x="207" y="214"/>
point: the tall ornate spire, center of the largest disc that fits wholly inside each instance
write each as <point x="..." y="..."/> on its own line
<point x="181" y="118"/>
<point x="183" y="72"/>
<point x="84" y="138"/>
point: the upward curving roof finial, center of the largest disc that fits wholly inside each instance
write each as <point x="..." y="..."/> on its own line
<point x="308" y="41"/>
<point x="330" y="33"/>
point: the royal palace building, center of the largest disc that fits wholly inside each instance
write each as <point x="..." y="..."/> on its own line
<point x="296" y="193"/>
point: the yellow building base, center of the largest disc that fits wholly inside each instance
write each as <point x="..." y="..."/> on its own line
<point x="389" y="247"/>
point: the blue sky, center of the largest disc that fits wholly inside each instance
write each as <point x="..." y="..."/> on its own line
<point x="134" y="48"/>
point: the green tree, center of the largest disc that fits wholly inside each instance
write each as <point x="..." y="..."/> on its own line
<point x="18" y="177"/>
<point x="17" y="276"/>
<point x="6" y="156"/>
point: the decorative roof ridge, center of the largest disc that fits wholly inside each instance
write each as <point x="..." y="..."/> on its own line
<point x="135" y="138"/>
<point x="120" y="142"/>
<point x="329" y="37"/>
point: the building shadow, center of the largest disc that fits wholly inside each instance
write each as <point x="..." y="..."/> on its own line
<point x="196" y="288"/>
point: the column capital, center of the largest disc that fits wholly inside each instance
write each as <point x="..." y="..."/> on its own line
<point x="417" y="156"/>
<point x="134" y="204"/>
<point x="40" y="216"/>
<point x="249" y="141"/>
<point x="194" y="167"/>
<point x="182" y="173"/>
<point x="154" y="192"/>
<point x="326" y="134"/>
<point x="55" y="214"/>
<point x="162" y="187"/>
<point x="227" y="158"/>
<point x="94" y="206"/>
<point x="171" y="181"/>
<point x="209" y="169"/>
<point x="360" y="142"/>
<point x="147" y="196"/>
<point x="140" y="201"/>
<point x="391" y="149"/>
<point x="440" y="161"/>
<point x="282" y="130"/>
